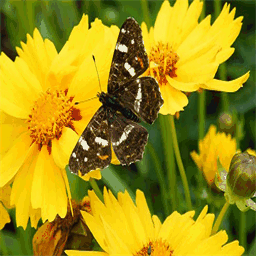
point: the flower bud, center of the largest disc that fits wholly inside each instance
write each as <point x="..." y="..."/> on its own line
<point x="226" y="123"/>
<point x="241" y="178"/>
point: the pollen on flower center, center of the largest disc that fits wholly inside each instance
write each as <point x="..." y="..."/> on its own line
<point x="155" y="248"/>
<point x="50" y="113"/>
<point x="164" y="59"/>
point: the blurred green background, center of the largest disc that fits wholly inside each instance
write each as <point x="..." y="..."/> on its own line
<point x="55" y="20"/>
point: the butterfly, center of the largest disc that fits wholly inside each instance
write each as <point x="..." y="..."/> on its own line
<point x="128" y="99"/>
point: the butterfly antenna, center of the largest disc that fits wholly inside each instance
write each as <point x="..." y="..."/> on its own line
<point x="78" y="102"/>
<point x="97" y="71"/>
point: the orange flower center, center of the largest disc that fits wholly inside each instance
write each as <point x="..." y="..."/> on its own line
<point x="50" y="113"/>
<point x="164" y="60"/>
<point x="155" y="248"/>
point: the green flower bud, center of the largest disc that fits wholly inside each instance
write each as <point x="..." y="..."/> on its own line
<point x="226" y="123"/>
<point x="241" y="178"/>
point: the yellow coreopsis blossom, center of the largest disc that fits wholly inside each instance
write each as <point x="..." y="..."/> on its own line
<point x="213" y="147"/>
<point x="185" y="54"/>
<point x="123" y="228"/>
<point x="41" y="123"/>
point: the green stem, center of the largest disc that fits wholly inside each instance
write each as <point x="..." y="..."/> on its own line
<point x="161" y="179"/>
<point x="201" y="102"/>
<point x="201" y="110"/>
<point x="180" y="164"/>
<point x="96" y="189"/>
<point x="114" y="182"/>
<point x="169" y="159"/>
<point x="242" y="230"/>
<point x="220" y="218"/>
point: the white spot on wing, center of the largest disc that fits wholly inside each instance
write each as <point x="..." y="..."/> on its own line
<point x="132" y="41"/>
<point x="85" y="159"/>
<point x="122" y="48"/>
<point x="123" y="30"/>
<point x="74" y="155"/>
<point x="138" y="98"/>
<point x="84" y="145"/>
<point x="124" y="136"/>
<point x="101" y="141"/>
<point x="130" y="69"/>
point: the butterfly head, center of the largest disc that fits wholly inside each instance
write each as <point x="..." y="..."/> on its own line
<point x="102" y="97"/>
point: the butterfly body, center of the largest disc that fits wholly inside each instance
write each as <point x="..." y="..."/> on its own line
<point x="129" y="99"/>
<point x="111" y="103"/>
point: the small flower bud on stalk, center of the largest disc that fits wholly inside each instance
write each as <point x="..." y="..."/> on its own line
<point x="240" y="182"/>
<point x="241" y="178"/>
<point x="226" y="123"/>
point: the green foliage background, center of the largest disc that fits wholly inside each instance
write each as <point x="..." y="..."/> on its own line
<point x="55" y="20"/>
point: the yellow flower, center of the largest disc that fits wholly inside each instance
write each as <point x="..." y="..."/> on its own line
<point x="185" y="55"/>
<point x="123" y="228"/>
<point x="214" y="146"/>
<point x="41" y="124"/>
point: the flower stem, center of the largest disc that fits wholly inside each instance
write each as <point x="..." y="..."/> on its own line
<point x="96" y="189"/>
<point x="180" y="164"/>
<point x="220" y="218"/>
<point x="201" y="110"/>
<point x="201" y="102"/>
<point x="242" y="230"/>
<point x="169" y="159"/>
<point x="161" y="179"/>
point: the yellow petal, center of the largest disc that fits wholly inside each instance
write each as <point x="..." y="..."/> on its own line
<point x="62" y="147"/>
<point x="38" y="55"/>
<point x="174" y="100"/>
<point x="224" y="54"/>
<point x="145" y="36"/>
<point x="194" y="39"/>
<point x="5" y="193"/>
<point x="114" y="241"/>
<point x="226" y="86"/>
<point x="96" y="228"/>
<point x="84" y="253"/>
<point x="19" y="86"/>
<point x="21" y="190"/>
<point x="183" y="86"/>
<point x="10" y="129"/>
<point x="143" y="210"/>
<point x="78" y="34"/>
<point x="178" y="13"/>
<point x="94" y="174"/>
<point x="200" y="73"/>
<point x="157" y="224"/>
<point x="4" y="216"/>
<point x="14" y="158"/>
<point x="35" y="216"/>
<point x="133" y="219"/>
<point x="232" y="249"/>
<point x="48" y="188"/>
<point x="13" y="110"/>
<point x="162" y="22"/>
<point x="189" y="22"/>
